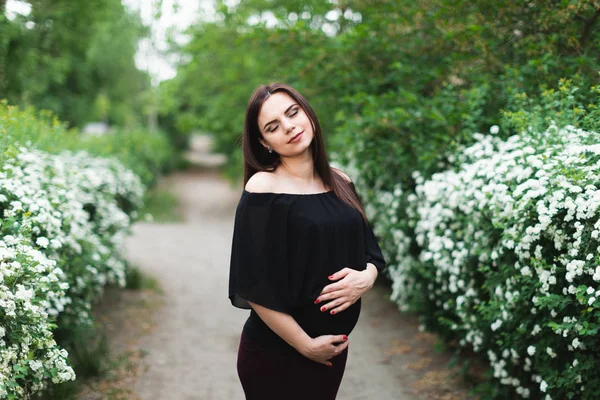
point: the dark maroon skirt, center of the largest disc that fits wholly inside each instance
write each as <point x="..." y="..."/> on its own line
<point x="267" y="374"/>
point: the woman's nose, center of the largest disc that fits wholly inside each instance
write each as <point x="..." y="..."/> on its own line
<point x="287" y="124"/>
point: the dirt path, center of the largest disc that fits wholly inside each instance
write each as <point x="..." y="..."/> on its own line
<point x="192" y="350"/>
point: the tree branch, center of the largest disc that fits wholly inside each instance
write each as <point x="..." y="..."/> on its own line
<point x="588" y="27"/>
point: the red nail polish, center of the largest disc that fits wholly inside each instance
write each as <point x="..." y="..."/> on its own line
<point x="323" y="308"/>
<point x="330" y="276"/>
<point x="332" y="312"/>
<point x="317" y="301"/>
<point x="345" y="337"/>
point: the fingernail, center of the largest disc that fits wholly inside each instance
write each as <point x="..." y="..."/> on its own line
<point x="345" y="337"/>
<point x="332" y="311"/>
<point x="317" y="301"/>
<point x="330" y="276"/>
<point x="323" y="308"/>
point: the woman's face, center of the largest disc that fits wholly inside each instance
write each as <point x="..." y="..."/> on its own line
<point x="280" y="120"/>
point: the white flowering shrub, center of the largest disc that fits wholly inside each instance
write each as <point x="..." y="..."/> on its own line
<point x="63" y="220"/>
<point x="494" y="241"/>
<point x="503" y="252"/>
<point x="393" y="223"/>
<point x="510" y="240"/>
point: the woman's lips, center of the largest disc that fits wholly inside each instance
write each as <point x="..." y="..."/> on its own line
<point x="298" y="136"/>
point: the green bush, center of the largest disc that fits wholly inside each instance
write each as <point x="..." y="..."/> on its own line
<point x="148" y="154"/>
<point x="65" y="212"/>
<point x="412" y="80"/>
<point x="500" y="251"/>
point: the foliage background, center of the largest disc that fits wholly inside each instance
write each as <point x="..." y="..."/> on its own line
<point x="75" y="59"/>
<point x="413" y="78"/>
<point x="402" y="89"/>
<point x="63" y="65"/>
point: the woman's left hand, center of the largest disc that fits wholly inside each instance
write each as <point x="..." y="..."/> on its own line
<point x="350" y="286"/>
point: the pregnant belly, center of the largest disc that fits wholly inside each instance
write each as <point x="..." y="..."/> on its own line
<point x="316" y="323"/>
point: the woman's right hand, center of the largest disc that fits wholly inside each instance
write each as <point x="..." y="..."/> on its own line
<point x="323" y="348"/>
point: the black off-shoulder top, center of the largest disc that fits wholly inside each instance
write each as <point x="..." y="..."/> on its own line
<point x="284" y="248"/>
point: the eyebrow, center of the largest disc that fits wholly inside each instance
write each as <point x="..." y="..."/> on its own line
<point x="270" y="122"/>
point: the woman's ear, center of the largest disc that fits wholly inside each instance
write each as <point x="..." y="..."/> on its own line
<point x="265" y="145"/>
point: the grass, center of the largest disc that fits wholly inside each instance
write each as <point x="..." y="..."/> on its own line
<point x="136" y="280"/>
<point x="162" y="205"/>
<point x="88" y="355"/>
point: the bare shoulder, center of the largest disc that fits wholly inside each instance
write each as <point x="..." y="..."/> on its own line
<point x="342" y="174"/>
<point x="262" y="181"/>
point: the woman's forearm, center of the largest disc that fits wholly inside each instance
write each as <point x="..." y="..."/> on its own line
<point x="284" y="325"/>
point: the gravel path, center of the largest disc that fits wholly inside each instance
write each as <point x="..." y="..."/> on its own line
<point x="193" y="348"/>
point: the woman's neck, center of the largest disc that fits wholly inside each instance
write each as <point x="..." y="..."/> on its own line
<point x="299" y="168"/>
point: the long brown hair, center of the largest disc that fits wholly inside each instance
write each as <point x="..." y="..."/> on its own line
<point x="257" y="158"/>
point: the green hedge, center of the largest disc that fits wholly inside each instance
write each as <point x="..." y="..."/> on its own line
<point x="500" y="251"/>
<point x="67" y="202"/>
<point x="148" y="154"/>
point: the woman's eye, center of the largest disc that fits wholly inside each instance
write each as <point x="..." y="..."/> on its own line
<point x="291" y="115"/>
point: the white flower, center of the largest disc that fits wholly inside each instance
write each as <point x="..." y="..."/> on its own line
<point x="497" y="324"/>
<point x="531" y="350"/>
<point x="569" y="276"/>
<point x="42" y="242"/>
<point x="10" y="240"/>
<point x="590" y="290"/>
<point x="494" y="129"/>
<point x="596" y="276"/>
<point x="35" y="365"/>
<point x="17" y="205"/>
<point x="23" y="294"/>
<point x="575" y="343"/>
<point x="525" y="271"/>
<point x="543" y="386"/>
<point x="591" y="301"/>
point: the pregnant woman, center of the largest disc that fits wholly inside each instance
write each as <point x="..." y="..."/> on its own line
<point x="303" y="253"/>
